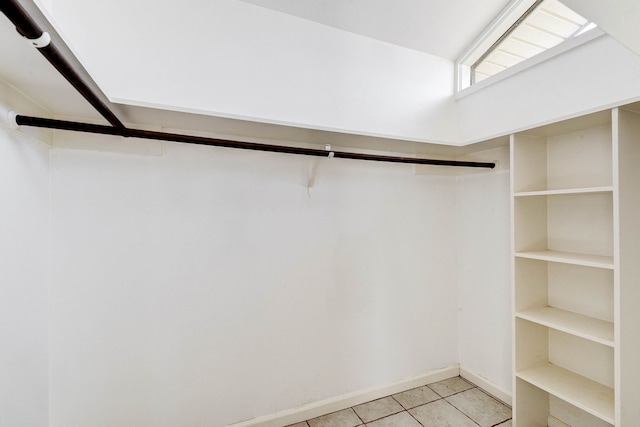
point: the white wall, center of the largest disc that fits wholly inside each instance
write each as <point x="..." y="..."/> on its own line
<point x="24" y="265"/>
<point x="188" y="284"/>
<point x="618" y="18"/>
<point x="233" y="59"/>
<point x="204" y="287"/>
<point x="483" y="274"/>
<point x="590" y="77"/>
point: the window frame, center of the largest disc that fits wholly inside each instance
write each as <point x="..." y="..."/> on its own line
<point x="515" y="12"/>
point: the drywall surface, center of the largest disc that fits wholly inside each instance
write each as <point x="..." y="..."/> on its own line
<point x="233" y="59"/>
<point x="483" y="275"/>
<point x="417" y="24"/>
<point x="203" y="287"/>
<point x="618" y="18"/>
<point x="24" y="267"/>
<point x="590" y="77"/>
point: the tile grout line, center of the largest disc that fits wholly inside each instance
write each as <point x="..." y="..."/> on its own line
<point x="488" y="394"/>
<point x="358" y="415"/>
<point x="472" y="386"/>
<point x="482" y="391"/>
<point x="458" y="392"/>
<point x="391" y="415"/>
<point x="386" y="416"/>
<point x="458" y="409"/>
<point x="407" y="411"/>
<point x="454" y="394"/>
<point x="440" y="398"/>
<point x="417" y="420"/>
<point x="493" y="397"/>
<point x="376" y="419"/>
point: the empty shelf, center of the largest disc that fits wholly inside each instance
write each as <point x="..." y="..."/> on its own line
<point x="587" y="190"/>
<point x="586" y="394"/>
<point x="590" y="328"/>
<point x="598" y="261"/>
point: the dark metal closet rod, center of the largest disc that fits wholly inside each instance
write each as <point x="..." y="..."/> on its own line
<point x="200" y="140"/>
<point x="29" y="29"/>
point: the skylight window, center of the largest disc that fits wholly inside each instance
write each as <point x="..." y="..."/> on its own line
<point x="532" y="27"/>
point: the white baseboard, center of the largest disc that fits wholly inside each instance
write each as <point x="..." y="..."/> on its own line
<point x="491" y="388"/>
<point x="312" y="410"/>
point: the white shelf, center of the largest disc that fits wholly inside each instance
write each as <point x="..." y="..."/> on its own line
<point x="590" y="328"/>
<point x="588" y="395"/>
<point x="597" y="261"/>
<point x="567" y="191"/>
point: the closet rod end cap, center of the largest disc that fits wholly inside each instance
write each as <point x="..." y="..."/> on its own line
<point x="42" y="41"/>
<point x="11" y="119"/>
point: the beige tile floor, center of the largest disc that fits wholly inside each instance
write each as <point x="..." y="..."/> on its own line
<point x="449" y="403"/>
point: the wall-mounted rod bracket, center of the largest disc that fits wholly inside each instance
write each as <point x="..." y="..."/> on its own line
<point x="43" y="41"/>
<point x="327" y="147"/>
<point x="8" y="117"/>
<point x="313" y="168"/>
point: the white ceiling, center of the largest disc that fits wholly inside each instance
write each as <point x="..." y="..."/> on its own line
<point x="439" y="27"/>
<point x="24" y="69"/>
<point x="618" y="18"/>
<point x="442" y="28"/>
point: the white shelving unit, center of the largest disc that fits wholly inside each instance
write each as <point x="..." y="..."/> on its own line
<point x="575" y="202"/>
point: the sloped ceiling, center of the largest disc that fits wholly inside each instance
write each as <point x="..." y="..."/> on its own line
<point x="376" y="68"/>
<point x="30" y="74"/>
<point x="234" y="59"/>
<point x="442" y="28"/>
<point x="373" y="64"/>
<point x="25" y="69"/>
<point x="620" y="18"/>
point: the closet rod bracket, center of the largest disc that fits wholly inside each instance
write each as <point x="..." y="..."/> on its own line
<point x="8" y="117"/>
<point x="43" y="41"/>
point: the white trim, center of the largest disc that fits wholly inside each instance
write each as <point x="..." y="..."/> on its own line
<point x="501" y="23"/>
<point x="348" y="400"/>
<point x="507" y="17"/>
<point x="302" y="125"/>
<point x="486" y="385"/>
